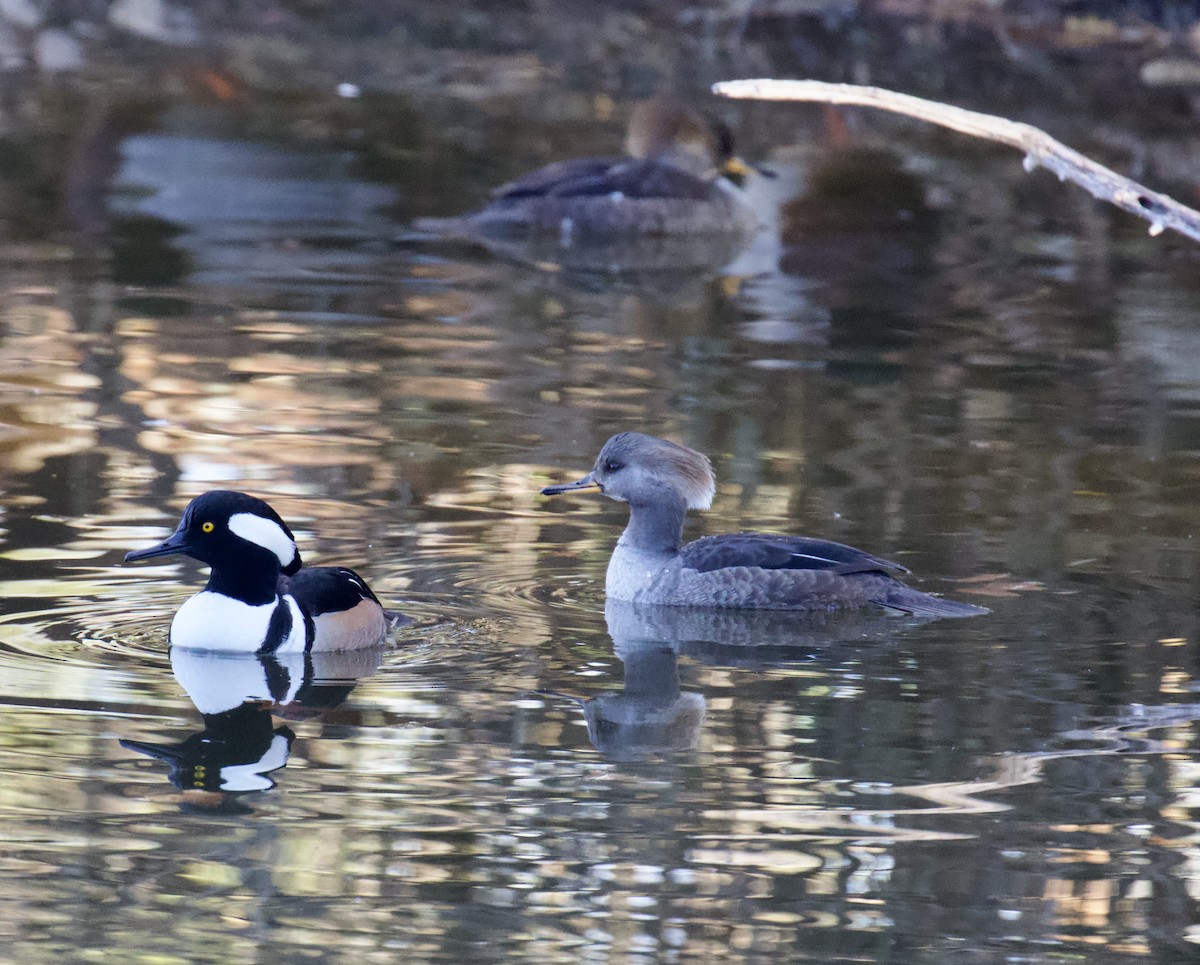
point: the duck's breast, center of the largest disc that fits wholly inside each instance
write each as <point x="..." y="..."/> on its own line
<point x="213" y="621"/>
<point x="634" y="573"/>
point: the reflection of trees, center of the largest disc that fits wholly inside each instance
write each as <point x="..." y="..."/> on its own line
<point x="45" y="410"/>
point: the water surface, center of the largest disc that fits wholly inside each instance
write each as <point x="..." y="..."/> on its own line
<point x="1006" y="405"/>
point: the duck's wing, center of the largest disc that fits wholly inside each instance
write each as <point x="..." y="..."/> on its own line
<point x="774" y="552"/>
<point x="327" y="589"/>
<point x="603" y="177"/>
<point x="555" y="178"/>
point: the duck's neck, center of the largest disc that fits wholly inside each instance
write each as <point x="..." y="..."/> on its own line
<point x="655" y="529"/>
<point x="650" y="542"/>
<point x="252" y="584"/>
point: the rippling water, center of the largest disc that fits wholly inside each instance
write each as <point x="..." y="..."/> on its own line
<point x="1006" y="408"/>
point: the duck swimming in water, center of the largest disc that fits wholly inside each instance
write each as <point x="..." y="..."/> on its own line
<point x="679" y="177"/>
<point x="662" y="480"/>
<point x="259" y="598"/>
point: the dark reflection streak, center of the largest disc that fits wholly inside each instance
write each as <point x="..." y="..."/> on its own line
<point x="93" y="157"/>
<point x="118" y="422"/>
<point x="86" y="708"/>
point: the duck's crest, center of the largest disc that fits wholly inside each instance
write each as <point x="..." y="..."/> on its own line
<point x="690" y="472"/>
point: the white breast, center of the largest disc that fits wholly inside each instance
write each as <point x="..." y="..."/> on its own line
<point x="211" y="621"/>
<point x="632" y="572"/>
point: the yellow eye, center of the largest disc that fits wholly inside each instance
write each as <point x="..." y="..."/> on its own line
<point x="207" y="527"/>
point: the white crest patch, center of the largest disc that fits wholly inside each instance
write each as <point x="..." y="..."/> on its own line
<point x="701" y="498"/>
<point x="265" y="533"/>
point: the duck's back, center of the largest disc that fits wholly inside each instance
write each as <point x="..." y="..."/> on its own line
<point x="766" y="571"/>
<point x="596" y="177"/>
<point x="615" y="196"/>
<point x="345" y="614"/>
<point x="772" y="551"/>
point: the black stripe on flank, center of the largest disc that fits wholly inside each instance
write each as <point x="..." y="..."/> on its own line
<point x="310" y="630"/>
<point x="279" y="628"/>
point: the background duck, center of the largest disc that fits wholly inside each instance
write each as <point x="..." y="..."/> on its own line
<point x="259" y="598"/>
<point x="662" y="480"/>
<point x="679" y="176"/>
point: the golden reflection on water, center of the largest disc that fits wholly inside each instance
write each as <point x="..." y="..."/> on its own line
<point x="42" y="410"/>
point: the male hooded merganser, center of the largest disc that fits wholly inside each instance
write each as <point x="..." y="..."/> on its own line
<point x="258" y="598"/>
<point x="679" y="176"/>
<point x="661" y="481"/>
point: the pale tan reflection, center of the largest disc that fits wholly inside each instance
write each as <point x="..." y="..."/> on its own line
<point x="297" y="405"/>
<point x="318" y="397"/>
<point x="43" y="411"/>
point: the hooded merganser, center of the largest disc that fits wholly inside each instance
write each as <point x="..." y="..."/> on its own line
<point x="258" y="598"/>
<point x="662" y="480"/>
<point x="679" y="176"/>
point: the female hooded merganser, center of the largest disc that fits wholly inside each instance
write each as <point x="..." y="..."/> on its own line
<point x="680" y="176"/>
<point x="661" y="481"/>
<point x="258" y="598"/>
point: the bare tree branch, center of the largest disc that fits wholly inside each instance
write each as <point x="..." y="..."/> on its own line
<point x="1041" y="150"/>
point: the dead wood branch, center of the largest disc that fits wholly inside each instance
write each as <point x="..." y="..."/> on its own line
<point x="1041" y="150"/>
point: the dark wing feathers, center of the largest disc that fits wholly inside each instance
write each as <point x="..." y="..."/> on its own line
<point x="327" y="589"/>
<point x="600" y="177"/>
<point x="772" y="552"/>
<point x="553" y="178"/>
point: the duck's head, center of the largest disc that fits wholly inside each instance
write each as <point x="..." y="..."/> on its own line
<point x="670" y="131"/>
<point x="224" y="528"/>
<point x="645" y="470"/>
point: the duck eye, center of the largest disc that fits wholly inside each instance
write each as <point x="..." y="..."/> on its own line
<point x="207" y="527"/>
<point x="614" y="465"/>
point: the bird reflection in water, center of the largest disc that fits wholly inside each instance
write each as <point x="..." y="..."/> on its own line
<point x="239" y="697"/>
<point x="654" y="715"/>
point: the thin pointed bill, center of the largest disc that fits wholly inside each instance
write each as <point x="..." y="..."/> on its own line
<point x="580" y="485"/>
<point x="172" y="545"/>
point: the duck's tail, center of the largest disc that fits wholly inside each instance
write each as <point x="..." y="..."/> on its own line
<point x="395" y="618"/>
<point x="918" y="604"/>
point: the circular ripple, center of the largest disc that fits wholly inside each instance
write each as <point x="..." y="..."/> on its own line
<point x="97" y="639"/>
<point x="555" y="598"/>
